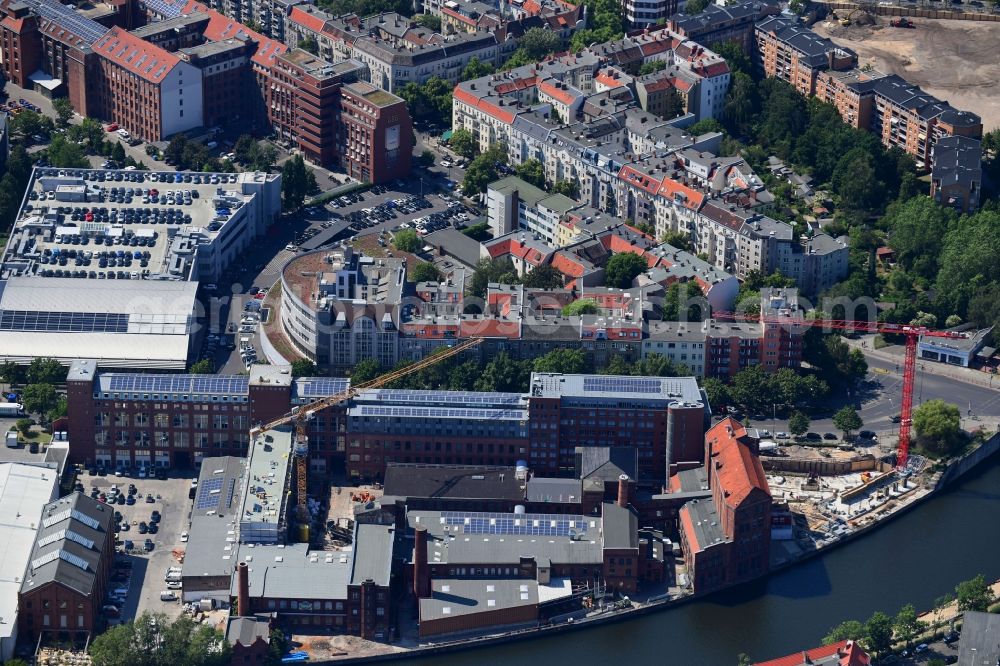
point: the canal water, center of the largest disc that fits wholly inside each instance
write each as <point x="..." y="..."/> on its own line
<point x="915" y="559"/>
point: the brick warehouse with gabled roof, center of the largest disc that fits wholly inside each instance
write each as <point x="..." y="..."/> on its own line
<point x="727" y="540"/>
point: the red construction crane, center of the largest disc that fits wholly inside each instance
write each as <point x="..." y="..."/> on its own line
<point x="912" y="335"/>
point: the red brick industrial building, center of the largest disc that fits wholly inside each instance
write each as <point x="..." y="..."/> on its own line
<point x="726" y="540"/>
<point x="69" y="570"/>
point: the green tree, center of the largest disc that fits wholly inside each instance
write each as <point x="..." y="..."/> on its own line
<point x="118" y="152"/>
<point x="531" y="171"/>
<point x="64" y="111"/>
<point x="580" y="306"/>
<point x="463" y="143"/>
<point x="974" y="595"/>
<point x="878" y="633"/>
<point x="616" y="365"/>
<point x="463" y="376"/>
<point x="430" y="21"/>
<point x="938" y="426"/>
<point x="735" y="55"/>
<point x="475" y="69"/>
<point x="856" y="182"/>
<point x="491" y="270"/>
<point x="835" y="359"/>
<point x="483" y="170"/>
<point x="849" y="630"/>
<point x="60" y="410"/>
<point x="569" y="188"/>
<point x="622" y="268"/>
<point x="847" y="421"/>
<point x="426" y="158"/>
<point x="309" y="44"/>
<point x="717" y="393"/>
<point x="425" y="271"/>
<point x="705" y="126"/>
<point x="11" y="372"/>
<point x="39" y="398"/>
<point x="23" y="426"/>
<point x="66" y="154"/>
<point x="566" y="361"/>
<point x="154" y="640"/>
<point x="295" y="182"/>
<point x="28" y="123"/>
<point x="303" y="367"/>
<point x="918" y="227"/>
<point x="752" y="389"/>
<point x="798" y="424"/>
<point x="657" y="365"/>
<point x="203" y="367"/>
<point x="684" y="302"/>
<point x="504" y="374"/>
<point x="406" y="240"/>
<point x="907" y="626"/>
<point x="743" y="659"/>
<point x="538" y="43"/>
<point x="543" y="276"/>
<point x="652" y="66"/>
<point x="365" y="370"/>
<point x="277" y="647"/>
<point x="46" y="371"/>
<point x="478" y="232"/>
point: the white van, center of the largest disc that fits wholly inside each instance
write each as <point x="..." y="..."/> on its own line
<point x="168" y="595"/>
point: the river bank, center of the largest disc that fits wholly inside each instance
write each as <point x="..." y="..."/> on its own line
<point x="780" y="598"/>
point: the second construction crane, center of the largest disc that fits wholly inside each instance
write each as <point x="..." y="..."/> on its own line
<point x="300" y="416"/>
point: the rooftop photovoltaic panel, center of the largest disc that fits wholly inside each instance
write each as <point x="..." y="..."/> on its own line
<point x="621" y="385"/>
<point x="186" y="384"/>
<point x="446" y="412"/>
<point x="206" y="498"/>
<point x="164" y="9"/>
<point x="528" y="524"/>
<point x="321" y="387"/>
<point x="63" y="322"/>
<point x="448" y="397"/>
<point x="87" y="29"/>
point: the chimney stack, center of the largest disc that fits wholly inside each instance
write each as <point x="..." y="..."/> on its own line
<point x="623" y="489"/>
<point x="243" y="589"/>
<point x="421" y="575"/>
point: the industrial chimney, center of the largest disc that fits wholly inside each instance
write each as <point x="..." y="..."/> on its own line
<point x="243" y="589"/>
<point x="421" y="576"/>
<point x="623" y="489"/>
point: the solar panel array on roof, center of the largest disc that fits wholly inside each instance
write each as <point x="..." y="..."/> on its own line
<point x="199" y="384"/>
<point x="452" y="397"/>
<point x="444" y="412"/>
<point x="63" y="322"/>
<point x="53" y="10"/>
<point x="321" y="387"/>
<point x="207" y="499"/>
<point x="528" y="524"/>
<point x="621" y="385"/>
<point x="164" y="8"/>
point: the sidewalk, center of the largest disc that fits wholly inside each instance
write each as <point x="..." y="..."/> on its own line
<point x="949" y="612"/>
<point x="895" y="354"/>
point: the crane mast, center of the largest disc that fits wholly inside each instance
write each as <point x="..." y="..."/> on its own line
<point x="299" y="418"/>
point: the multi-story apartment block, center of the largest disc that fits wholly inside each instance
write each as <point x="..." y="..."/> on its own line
<point x="720" y="23"/>
<point x="957" y="176"/>
<point x="376" y="133"/>
<point x="902" y="115"/>
<point x="514" y="204"/>
<point x="396" y="50"/>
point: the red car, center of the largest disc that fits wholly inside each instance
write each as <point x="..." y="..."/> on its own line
<point x="113" y="127"/>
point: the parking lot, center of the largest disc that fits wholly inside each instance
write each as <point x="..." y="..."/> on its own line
<point x="138" y="577"/>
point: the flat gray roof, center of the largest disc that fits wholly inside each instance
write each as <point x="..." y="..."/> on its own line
<point x="295" y="572"/>
<point x="451" y="597"/>
<point x="552" y="385"/>
<point x="453" y="481"/>
<point x="212" y="546"/>
<point x="980" y="643"/>
<point x="266" y="478"/>
<point x="503" y="538"/>
<point x="373" y="549"/>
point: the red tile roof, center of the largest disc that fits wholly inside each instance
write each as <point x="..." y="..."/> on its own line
<point x="307" y="19"/>
<point x="849" y="653"/>
<point x="608" y="79"/>
<point x="737" y="469"/>
<point x="488" y="108"/>
<point x="221" y="27"/>
<point x="13" y="24"/>
<point x="691" y="198"/>
<point x="557" y="93"/>
<point x="136" y="55"/>
<point x="687" y="526"/>
<point x="508" y="87"/>
<point x="565" y="264"/>
<point x="638" y="179"/>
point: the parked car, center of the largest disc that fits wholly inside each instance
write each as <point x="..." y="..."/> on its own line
<point x="829" y="436"/>
<point x="148" y="545"/>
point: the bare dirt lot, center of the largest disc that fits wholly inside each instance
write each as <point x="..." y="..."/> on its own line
<point x="955" y="61"/>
